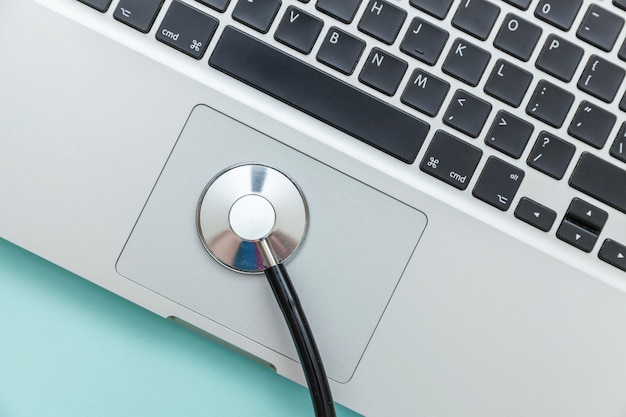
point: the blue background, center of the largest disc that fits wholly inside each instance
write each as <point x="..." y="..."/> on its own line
<point x="70" y="348"/>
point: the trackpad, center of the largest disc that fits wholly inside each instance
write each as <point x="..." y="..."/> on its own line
<point x="358" y="244"/>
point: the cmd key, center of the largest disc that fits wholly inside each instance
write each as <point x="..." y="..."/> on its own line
<point x="319" y="95"/>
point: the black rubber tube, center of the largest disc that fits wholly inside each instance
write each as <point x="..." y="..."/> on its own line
<point x="310" y="358"/>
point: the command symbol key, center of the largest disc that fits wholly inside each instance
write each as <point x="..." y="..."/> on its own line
<point x="451" y="160"/>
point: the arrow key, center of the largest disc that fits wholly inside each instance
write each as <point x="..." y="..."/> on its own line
<point x="613" y="253"/>
<point x="535" y="214"/>
<point x="587" y="215"/>
<point x="576" y="235"/>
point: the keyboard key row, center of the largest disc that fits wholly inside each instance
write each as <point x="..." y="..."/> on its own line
<point x="426" y="93"/>
<point x="454" y="162"/>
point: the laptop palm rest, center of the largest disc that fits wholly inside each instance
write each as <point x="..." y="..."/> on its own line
<point x="358" y="244"/>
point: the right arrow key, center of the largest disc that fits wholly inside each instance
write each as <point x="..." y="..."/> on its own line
<point x="613" y="253"/>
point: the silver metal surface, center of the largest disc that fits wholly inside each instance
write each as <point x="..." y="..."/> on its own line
<point x="245" y="207"/>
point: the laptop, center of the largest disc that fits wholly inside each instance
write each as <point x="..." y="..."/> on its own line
<point x="463" y="164"/>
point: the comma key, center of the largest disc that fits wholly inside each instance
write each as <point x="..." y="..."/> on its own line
<point x="451" y="160"/>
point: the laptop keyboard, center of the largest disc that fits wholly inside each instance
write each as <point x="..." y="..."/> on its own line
<point x="402" y="63"/>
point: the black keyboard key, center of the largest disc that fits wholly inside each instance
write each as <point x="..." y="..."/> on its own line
<point x="298" y="30"/>
<point x="382" y="20"/>
<point x="620" y="3"/>
<point x="601" y="180"/>
<point x="451" y="160"/>
<point x="343" y="10"/>
<point x="535" y="214"/>
<point x="618" y="149"/>
<point x="498" y="183"/>
<point x="138" y="14"/>
<point x="509" y="134"/>
<point x="508" y="83"/>
<point x="517" y="37"/>
<point x="560" y="58"/>
<point x="576" y="235"/>
<point x="622" y="103"/>
<point x="219" y="5"/>
<point x="436" y="8"/>
<point x="551" y="155"/>
<point x="613" y="253"/>
<point x="560" y="13"/>
<point x="550" y="103"/>
<point x="476" y="17"/>
<point x="383" y="71"/>
<point x="187" y="29"/>
<point x="601" y="78"/>
<point x="467" y="113"/>
<point x="340" y="50"/>
<point x="622" y="51"/>
<point x="425" y="92"/>
<point x="424" y="41"/>
<point x="258" y="14"/>
<point x="587" y="215"/>
<point x="99" y="5"/>
<point x="600" y="27"/>
<point x="466" y="62"/>
<point x="344" y="107"/>
<point x="592" y="124"/>
<point x="520" y="4"/>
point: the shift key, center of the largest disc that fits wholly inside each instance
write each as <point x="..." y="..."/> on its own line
<point x="451" y="160"/>
<point x="601" y="180"/>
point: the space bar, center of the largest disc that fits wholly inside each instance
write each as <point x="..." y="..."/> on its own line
<point x="319" y="95"/>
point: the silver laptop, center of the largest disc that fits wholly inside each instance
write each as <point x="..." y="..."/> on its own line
<point x="463" y="163"/>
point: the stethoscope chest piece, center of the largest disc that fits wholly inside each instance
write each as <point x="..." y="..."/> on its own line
<point x="246" y="208"/>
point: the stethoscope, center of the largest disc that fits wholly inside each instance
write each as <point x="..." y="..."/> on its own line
<point x="252" y="218"/>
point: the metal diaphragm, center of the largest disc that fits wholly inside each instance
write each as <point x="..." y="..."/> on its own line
<point x="245" y="205"/>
